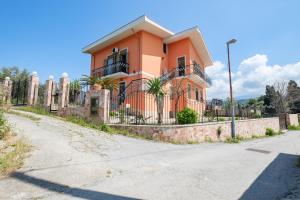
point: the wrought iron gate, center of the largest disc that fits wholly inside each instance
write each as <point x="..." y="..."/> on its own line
<point x="19" y="92"/>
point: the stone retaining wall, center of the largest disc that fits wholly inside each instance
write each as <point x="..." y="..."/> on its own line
<point x="293" y="119"/>
<point x="72" y="111"/>
<point x="202" y="132"/>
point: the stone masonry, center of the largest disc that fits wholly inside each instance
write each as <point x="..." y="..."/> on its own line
<point x="202" y="132"/>
<point x="48" y="92"/>
<point x="293" y="119"/>
<point x="103" y="100"/>
<point x="7" y="87"/>
<point x="63" y="98"/>
<point x="33" y="88"/>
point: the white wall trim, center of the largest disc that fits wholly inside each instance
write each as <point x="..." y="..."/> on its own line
<point x="143" y="73"/>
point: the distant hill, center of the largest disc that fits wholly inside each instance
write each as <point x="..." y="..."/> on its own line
<point x="243" y="101"/>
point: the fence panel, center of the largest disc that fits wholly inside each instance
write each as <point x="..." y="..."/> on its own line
<point x="19" y="92"/>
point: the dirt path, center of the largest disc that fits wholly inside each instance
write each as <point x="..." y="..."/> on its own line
<point x="69" y="162"/>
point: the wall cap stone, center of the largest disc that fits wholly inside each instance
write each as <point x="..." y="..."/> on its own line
<point x="190" y="125"/>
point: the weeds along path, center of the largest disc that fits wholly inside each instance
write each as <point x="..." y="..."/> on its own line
<point x="68" y="161"/>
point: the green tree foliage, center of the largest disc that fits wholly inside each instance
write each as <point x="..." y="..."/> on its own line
<point x="105" y="83"/>
<point x="281" y="98"/>
<point x="14" y="73"/>
<point x="270" y="101"/>
<point x="293" y="96"/>
<point x="155" y="88"/>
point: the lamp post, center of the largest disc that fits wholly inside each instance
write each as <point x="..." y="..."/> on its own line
<point x="230" y="86"/>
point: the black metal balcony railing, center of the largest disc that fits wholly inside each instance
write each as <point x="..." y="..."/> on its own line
<point x="197" y="70"/>
<point x="111" y="69"/>
<point x="185" y="71"/>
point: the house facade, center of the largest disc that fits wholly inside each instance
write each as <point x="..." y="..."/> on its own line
<point x="142" y="50"/>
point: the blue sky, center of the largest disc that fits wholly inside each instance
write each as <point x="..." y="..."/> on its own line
<point x="47" y="36"/>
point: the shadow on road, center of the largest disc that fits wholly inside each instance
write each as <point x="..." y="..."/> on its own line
<point x="276" y="180"/>
<point x="72" y="191"/>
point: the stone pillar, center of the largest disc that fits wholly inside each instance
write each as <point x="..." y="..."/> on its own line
<point x="7" y="91"/>
<point x="101" y="101"/>
<point x="104" y="103"/>
<point x="64" y="87"/>
<point x="33" y="89"/>
<point x="48" y="92"/>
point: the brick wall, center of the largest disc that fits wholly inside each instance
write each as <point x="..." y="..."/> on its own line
<point x="202" y="132"/>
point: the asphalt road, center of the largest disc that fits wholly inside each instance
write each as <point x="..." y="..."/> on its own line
<point x="72" y="162"/>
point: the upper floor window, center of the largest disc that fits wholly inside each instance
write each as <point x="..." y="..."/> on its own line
<point x="110" y="60"/>
<point x="117" y="57"/>
<point x="124" y="56"/>
<point x="165" y="48"/>
<point x="116" y="62"/>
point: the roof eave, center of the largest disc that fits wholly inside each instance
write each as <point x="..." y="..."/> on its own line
<point x="188" y="34"/>
<point x="131" y="25"/>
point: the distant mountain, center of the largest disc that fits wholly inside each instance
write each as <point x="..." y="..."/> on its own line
<point x="243" y="101"/>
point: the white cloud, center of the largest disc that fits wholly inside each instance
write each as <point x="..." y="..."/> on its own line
<point x="250" y="78"/>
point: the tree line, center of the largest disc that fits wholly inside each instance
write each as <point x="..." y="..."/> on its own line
<point x="281" y="97"/>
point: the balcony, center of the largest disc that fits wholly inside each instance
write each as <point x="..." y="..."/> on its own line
<point x="201" y="74"/>
<point x="115" y="70"/>
<point x="194" y="72"/>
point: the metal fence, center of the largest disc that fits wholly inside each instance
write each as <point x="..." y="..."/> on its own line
<point x="19" y="92"/>
<point x="77" y="95"/>
<point x="140" y="107"/>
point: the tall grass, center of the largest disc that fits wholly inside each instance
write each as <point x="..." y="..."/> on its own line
<point x="13" y="150"/>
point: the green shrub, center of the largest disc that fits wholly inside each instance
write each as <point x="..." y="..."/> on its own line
<point x="232" y="140"/>
<point x="293" y="127"/>
<point x="271" y="132"/>
<point x="112" y="114"/>
<point x="4" y="127"/>
<point x="208" y="139"/>
<point x="256" y="136"/>
<point x="105" y="128"/>
<point x="240" y="138"/>
<point x="187" y="116"/>
<point x="221" y="119"/>
<point x="257" y="115"/>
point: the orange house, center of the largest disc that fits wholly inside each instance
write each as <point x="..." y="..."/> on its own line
<point x="142" y="50"/>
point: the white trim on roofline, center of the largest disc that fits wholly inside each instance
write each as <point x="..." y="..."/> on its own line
<point x="197" y="39"/>
<point x="131" y="25"/>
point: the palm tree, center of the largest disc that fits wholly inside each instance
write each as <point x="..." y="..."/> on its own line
<point x="107" y="83"/>
<point x="104" y="83"/>
<point x="89" y="80"/>
<point x="155" y="89"/>
<point x="75" y="88"/>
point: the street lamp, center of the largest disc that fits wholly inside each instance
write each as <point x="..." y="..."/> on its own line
<point x="232" y="41"/>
